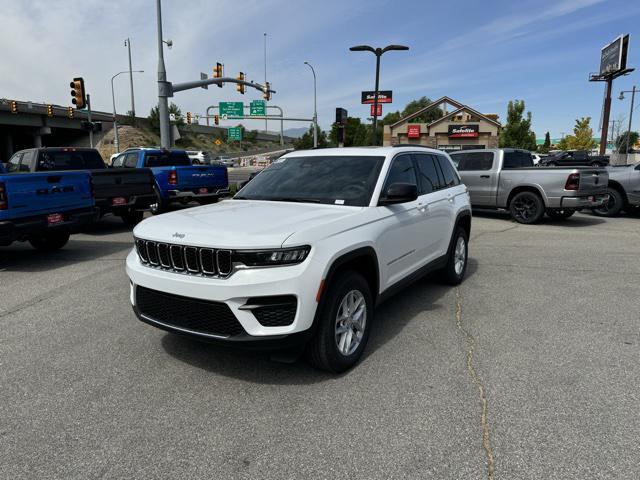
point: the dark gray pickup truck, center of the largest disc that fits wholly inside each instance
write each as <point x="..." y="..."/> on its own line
<point x="624" y="191"/>
<point x="506" y="178"/>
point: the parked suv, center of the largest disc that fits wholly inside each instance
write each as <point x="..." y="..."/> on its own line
<point x="303" y="253"/>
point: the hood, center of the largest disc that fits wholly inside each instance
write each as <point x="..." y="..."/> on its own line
<point x="239" y="223"/>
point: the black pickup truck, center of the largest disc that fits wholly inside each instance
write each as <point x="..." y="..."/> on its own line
<point x="125" y="192"/>
<point x="574" y="158"/>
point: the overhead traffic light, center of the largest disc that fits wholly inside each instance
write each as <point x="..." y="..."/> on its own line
<point x="267" y="94"/>
<point x="13" y="106"/>
<point x="188" y="118"/>
<point x="216" y="119"/>
<point x="70" y="112"/>
<point x="78" y="96"/>
<point x="49" y="110"/>
<point x="218" y="72"/>
<point x="239" y="86"/>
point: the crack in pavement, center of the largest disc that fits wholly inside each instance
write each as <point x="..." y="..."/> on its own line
<point x="471" y="345"/>
<point x="494" y="231"/>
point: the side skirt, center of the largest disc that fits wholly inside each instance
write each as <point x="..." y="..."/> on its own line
<point x="430" y="267"/>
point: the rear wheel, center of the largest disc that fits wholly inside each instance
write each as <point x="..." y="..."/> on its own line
<point x="456" y="266"/>
<point x="344" y="324"/>
<point x="611" y="207"/>
<point x="595" y="164"/>
<point x="50" y="241"/>
<point x="526" y="207"/>
<point x="559" y="213"/>
<point x="160" y="206"/>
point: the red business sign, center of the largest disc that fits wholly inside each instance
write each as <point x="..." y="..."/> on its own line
<point x="413" y="131"/>
<point x="379" y="111"/>
<point x="463" y="131"/>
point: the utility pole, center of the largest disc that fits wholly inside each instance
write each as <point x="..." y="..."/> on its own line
<point x="133" y="105"/>
<point x="163" y="87"/>
<point x="315" y="107"/>
<point x="265" y="74"/>
<point x="633" y="97"/>
<point x="89" y="119"/>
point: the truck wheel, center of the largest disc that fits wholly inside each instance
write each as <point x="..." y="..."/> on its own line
<point x="559" y="213"/>
<point x="456" y="267"/>
<point x="160" y="206"/>
<point x="344" y="324"/>
<point x="132" y="217"/>
<point x="50" y="241"/>
<point x="526" y="207"/>
<point x="595" y="164"/>
<point x="613" y="206"/>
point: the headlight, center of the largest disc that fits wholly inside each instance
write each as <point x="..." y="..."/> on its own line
<point x="265" y="258"/>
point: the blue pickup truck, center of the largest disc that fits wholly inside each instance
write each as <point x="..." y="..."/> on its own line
<point x="176" y="179"/>
<point x="44" y="208"/>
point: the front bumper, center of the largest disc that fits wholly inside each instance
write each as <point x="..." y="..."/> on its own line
<point x="24" y="228"/>
<point x="590" y="201"/>
<point x="301" y="281"/>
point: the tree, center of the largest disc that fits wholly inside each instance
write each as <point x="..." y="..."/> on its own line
<point x="305" y="142"/>
<point x="426" y="117"/>
<point x="517" y="132"/>
<point x="356" y="133"/>
<point x="154" y="116"/>
<point x="546" y="146"/>
<point x="621" y="142"/>
<point x="582" y="138"/>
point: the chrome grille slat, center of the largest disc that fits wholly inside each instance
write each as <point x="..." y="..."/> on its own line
<point x="185" y="259"/>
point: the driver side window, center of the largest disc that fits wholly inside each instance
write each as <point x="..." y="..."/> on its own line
<point x="401" y="171"/>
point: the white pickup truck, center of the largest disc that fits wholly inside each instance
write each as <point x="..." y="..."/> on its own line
<point x="506" y="178"/>
<point x="303" y="253"/>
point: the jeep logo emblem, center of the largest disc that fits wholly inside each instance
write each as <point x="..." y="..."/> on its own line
<point x="178" y="235"/>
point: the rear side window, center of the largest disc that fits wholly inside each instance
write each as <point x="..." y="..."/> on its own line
<point x="474" y="161"/>
<point x="167" y="159"/>
<point x="430" y="178"/>
<point x="70" y="160"/>
<point x="517" y="159"/>
<point x="451" y="178"/>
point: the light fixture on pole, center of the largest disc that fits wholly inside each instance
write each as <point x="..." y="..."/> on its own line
<point x="378" y="52"/>
<point x="113" y="99"/>
<point x="315" y="107"/>
<point x="633" y="97"/>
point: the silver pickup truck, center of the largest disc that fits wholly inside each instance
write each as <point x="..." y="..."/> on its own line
<point x="624" y="191"/>
<point x="506" y="178"/>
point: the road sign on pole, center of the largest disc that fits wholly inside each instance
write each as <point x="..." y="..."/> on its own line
<point x="234" y="134"/>
<point x="379" y="114"/>
<point x="231" y="109"/>
<point x="258" y="108"/>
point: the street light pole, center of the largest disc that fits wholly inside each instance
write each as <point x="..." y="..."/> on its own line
<point x="621" y="97"/>
<point x="315" y="107"/>
<point x="113" y="99"/>
<point x="163" y="94"/>
<point x="133" y="105"/>
<point x="378" y="52"/>
<point x="266" y="129"/>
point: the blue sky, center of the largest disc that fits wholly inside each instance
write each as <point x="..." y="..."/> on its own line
<point x="480" y="53"/>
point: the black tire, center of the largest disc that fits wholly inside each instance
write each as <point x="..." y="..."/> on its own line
<point x="613" y="206"/>
<point x="160" y="206"/>
<point x="526" y="208"/>
<point x="559" y="213"/>
<point x="50" y="241"/>
<point x="132" y="217"/>
<point x="452" y="274"/>
<point x="323" y="350"/>
<point x="551" y="164"/>
<point x="595" y="164"/>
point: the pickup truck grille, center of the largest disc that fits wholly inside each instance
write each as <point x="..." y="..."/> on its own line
<point x="185" y="259"/>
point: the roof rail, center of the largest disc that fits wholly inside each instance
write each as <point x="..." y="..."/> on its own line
<point x="410" y="145"/>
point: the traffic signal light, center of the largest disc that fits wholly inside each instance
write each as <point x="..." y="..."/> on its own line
<point x="14" y="106"/>
<point x="218" y="72"/>
<point x="267" y="94"/>
<point x="216" y="119"/>
<point x="70" y="112"/>
<point x="78" y="96"/>
<point x="188" y="118"/>
<point x="240" y="87"/>
<point x="49" y="110"/>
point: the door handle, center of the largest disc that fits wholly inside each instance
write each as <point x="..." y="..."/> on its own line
<point x="485" y="176"/>
<point x="423" y="208"/>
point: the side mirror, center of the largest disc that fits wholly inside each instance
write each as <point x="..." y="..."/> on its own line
<point x="399" y="193"/>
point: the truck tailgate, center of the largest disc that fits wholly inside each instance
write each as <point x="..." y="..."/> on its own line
<point x="593" y="181"/>
<point x="43" y="193"/>
<point x="202" y="176"/>
<point x="122" y="182"/>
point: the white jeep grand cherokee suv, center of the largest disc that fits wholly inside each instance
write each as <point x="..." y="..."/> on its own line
<point x="304" y="252"/>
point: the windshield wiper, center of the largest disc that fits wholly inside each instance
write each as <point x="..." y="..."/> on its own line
<point x="294" y="199"/>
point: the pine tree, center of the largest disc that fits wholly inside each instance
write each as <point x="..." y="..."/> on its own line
<point x="517" y="132"/>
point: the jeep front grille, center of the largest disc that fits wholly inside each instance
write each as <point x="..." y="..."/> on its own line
<point x="209" y="262"/>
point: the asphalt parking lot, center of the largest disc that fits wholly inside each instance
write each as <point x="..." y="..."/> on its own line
<point x="546" y="325"/>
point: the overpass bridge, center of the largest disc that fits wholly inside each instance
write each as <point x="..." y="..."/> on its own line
<point x="31" y="126"/>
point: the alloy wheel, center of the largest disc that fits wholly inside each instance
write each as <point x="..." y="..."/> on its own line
<point x="350" y="323"/>
<point x="460" y="256"/>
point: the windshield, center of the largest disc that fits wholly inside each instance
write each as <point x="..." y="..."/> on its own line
<point x="70" y="160"/>
<point x="337" y="180"/>
<point x="167" y="159"/>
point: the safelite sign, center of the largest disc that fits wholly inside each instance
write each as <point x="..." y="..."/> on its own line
<point x="463" y="131"/>
<point x="413" y="131"/>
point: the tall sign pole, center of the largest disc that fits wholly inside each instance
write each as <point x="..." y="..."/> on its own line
<point x="163" y="87"/>
<point x="605" y="116"/>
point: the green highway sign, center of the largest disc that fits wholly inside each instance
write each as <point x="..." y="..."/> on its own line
<point x="234" y="134"/>
<point x="258" y="108"/>
<point x="231" y="109"/>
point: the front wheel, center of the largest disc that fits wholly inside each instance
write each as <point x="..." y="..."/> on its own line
<point x="48" y="242"/>
<point x="611" y="207"/>
<point x="344" y="324"/>
<point x="453" y="273"/>
<point x="526" y="207"/>
<point x="160" y="206"/>
<point x="559" y="213"/>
